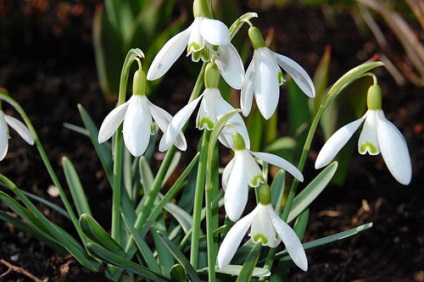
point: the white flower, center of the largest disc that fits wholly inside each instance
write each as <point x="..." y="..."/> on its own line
<point x="137" y="114"/>
<point x="264" y="77"/>
<point x="212" y="108"/>
<point x="243" y="171"/>
<point x="18" y="126"/>
<point x="378" y="135"/>
<point x="203" y="38"/>
<point x="267" y="228"/>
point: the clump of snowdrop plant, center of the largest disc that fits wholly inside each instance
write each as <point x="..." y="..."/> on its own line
<point x="197" y="225"/>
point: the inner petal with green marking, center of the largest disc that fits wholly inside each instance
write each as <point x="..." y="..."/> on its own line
<point x="369" y="147"/>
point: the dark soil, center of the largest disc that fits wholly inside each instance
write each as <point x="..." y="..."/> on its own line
<point x="47" y="64"/>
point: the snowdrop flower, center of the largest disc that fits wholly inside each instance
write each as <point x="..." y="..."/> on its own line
<point x="204" y="38"/>
<point x="378" y="135"/>
<point x="18" y="126"/>
<point x="266" y="228"/>
<point x="137" y="115"/>
<point x="212" y="108"/>
<point x="263" y="77"/>
<point x="243" y="171"/>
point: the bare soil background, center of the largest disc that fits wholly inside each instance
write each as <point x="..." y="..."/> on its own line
<point x="47" y="64"/>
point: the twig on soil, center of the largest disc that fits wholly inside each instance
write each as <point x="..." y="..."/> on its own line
<point x="20" y="270"/>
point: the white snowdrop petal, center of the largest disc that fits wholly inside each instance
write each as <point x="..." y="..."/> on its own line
<point x="336" y="142"/>
<point x="137" y="124"/>
<point x="235" y="197"/>
<point x="176" y="125"/>
<point x="233" y="239"/>
<point x="167" y="56"/>
<point x="291" y="241"/>
<point x="20" y="128"/>
<point x="206" y="116"/>
<point x="230" y="66"/>
<point x="112" y="121"/>
<point x="262" y="229"/>
<point x="299" y="75"/>
<point x="246" y="96"/>
<point x="214" y="32"/>
<point x="4" y="136"/>
<point x="253" y="171"/>
<point x="368" y="141"/>
<point x="227" y="172"/>
<point x="162" y="119"/>
<point x="280" y="162"/>
<point x="266" y="84"/>
<point x="394" y="150"/>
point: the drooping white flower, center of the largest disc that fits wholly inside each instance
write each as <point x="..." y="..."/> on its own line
<point x="204" y="38"/>
<point x="18" y="126"/>
<point x="377" y="135"/>
<point x="243" y="172"/>
<point x="137" y="115"/>
<point x="264" y="77"/>
<point x="211" y="110"/>
<point x="266" y="228"/>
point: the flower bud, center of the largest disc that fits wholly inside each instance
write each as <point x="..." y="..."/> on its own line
<point x="265" y="194"/>
<point x="139" y="82"/>
<point x="374" y="97"/>
<point x="256" y="38"/>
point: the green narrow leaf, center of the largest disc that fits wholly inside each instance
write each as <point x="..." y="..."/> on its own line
<point x="47" y="203"/>
<point x="277" y="188"/>
<point x="331" y="238"/>
<point x="58" y="233"/>
<point x="95" y="232"/>
<point x="77" y="191"/>
<point x="301" y="223"/>
<point x="184" y="219"/>
<point x="146" y="175"/>
<point x="311" y="192"/>
<point x="250" y="263"/>
<point x="142" y="246"/>
<point x="166" y="259"/>
<point x="102" y="150"/>
<point x="124" y="263"/>
<point x="36" y="232"/>
<point x="180" y="258"/>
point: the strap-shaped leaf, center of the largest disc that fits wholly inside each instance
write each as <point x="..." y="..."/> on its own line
<point x="95" y="232"/>
<point x="331" y="238"/>
<point x="250" y="263"/>
<point x="102" y="150"/>
<point x="124" y="263"/>
<point x="311" y="192"/>
<point x="77" y="191"/>
<point x="180" y="257"/>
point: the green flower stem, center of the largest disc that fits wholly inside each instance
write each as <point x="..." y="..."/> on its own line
<point x="335" y="90"/>
<point x="133" y="55"/>
<point x="198" y="200"/>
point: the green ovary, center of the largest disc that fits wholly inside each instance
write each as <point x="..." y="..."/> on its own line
<point x="260" y="238"/>
<point x="372" y="148"/>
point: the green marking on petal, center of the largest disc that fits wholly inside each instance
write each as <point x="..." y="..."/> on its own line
<point x="206" y="123"/>
<point x="258" y="179"/>
<point x="205" y="55"/>
<point x="371" y="148"/>
<point x="280" y="78"/>
<point x="194" y="47"/>
<point x="152" y="128"/>
<point x="260" y="238"/>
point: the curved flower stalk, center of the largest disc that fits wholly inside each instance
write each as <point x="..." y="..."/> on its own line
<point x="243" y="171"/>
<point x="378" y="135"/>
<point x="18" y="126"/>
<point x="204" y="39"/>
<point x="137" y="115"/>
<point x="266" y="228"/>
<point x="211" y="110"/>
<point x="264" y="77"/>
